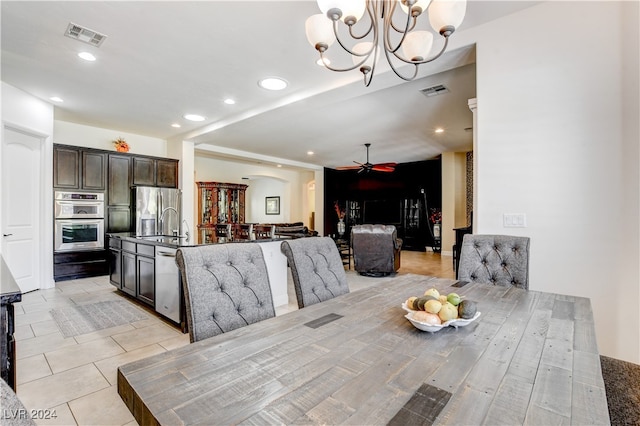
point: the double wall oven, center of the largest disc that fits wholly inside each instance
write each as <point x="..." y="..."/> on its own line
<point x="79" y="221"/>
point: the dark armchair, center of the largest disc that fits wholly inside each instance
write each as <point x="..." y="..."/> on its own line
<point x="376" y="249"/>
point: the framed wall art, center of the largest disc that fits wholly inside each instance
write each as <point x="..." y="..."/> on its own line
<point x="272" y="205"/>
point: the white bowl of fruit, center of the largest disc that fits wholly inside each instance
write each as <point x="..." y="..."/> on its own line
<point x="434" y="311"/>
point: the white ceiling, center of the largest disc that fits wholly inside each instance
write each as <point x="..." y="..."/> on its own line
<point x="164" y="59"/>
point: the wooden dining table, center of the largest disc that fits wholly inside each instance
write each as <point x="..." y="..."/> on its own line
<point x="530" y="358"/>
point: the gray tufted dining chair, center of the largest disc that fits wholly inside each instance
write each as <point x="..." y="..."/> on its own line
<point x="226" y="286"/>
<point x="497" y="259"/>
<point x="317" y="269"/>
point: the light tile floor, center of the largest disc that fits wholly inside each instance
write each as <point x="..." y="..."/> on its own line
<point x="76" y="376"/>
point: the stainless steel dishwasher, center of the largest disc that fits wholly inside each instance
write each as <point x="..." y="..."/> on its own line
<point x="167" y="283"/>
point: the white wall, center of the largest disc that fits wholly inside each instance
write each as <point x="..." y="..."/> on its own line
<point x="67" y="133"/>
<point x="557" y="139"/>
<point x="259" y="189"/>
<point x="21" y="110"/>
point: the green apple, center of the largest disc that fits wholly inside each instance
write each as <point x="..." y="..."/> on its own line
<point x="453" y="298"/>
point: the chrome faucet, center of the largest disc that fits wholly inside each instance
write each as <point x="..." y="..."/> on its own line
<point x="161" y="219"/>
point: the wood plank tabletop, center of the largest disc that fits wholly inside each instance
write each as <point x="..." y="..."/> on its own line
<point x="530" y="357"/>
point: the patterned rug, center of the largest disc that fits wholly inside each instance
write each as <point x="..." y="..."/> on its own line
<point x="82" y="319"/>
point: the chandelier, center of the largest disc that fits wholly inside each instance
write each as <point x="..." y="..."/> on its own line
<point x="324" y="29"/>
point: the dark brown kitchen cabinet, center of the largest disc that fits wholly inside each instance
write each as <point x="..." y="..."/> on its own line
<point x="115" y="262"/>
<point x="118" y="219"/>
<point x="138" y="272"/>
<point x="66" y="167"/>
<point x="167" y="173"/>
<point x="93" y="171"/>
<point x="144" y="171"/>
<point x="146" y="279"/>
<point x="128" y="273"/>
<point x="118" y="211"/>
<point x="155" y="172"/>
<point x="119" y="182"/>
<point x="79" y="168"/>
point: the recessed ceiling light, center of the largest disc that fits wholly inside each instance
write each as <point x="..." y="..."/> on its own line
<point x="56" y="99"/>
<point x="279" y="165"/>
<point x="176" y="125"/>
<point x="193" y="117"/>
<point x="229" y="101"/>
<point x="310" y="152"/>
<point x="87" y="56"/>
<point x="323" y="62"/>
<point x="273" y="83"/>
<point x="439" y="130"/>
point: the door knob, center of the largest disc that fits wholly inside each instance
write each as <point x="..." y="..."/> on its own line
<point x="7" y="235"/>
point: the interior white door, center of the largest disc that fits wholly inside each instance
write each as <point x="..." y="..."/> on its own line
<point x="21" y="206"/>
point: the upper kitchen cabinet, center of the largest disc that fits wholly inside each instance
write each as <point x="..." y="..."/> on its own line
<point x="155" y="172"/>
<point x="78" y="168"/>
<point x="167" y="173"/>
<point x="144" y="171"/>
<point x="119" y="193"/>
<point x="66" y="167"/>
<point x="93" y="171"/>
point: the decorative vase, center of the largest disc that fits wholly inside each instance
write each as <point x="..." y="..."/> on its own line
<point x="341" y="227"/>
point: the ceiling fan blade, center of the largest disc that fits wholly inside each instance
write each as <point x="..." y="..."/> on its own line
<point x="386" y="164"/>
<point x="348" y="167"/>
<point x="382" y="168"/>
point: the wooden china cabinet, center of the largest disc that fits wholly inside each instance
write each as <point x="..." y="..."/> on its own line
<point x="218" y="203"/>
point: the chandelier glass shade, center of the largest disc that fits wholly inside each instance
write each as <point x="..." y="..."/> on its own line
<point x="398" y="33"/>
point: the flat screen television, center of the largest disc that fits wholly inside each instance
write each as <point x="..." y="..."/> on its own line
<point x="384" y="212"/>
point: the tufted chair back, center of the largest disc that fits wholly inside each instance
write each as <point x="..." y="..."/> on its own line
<point x="376" y="249"/>
<point x="226" y="286"/>
<point x="497" y="259"/>
<point x="316" y="268"/>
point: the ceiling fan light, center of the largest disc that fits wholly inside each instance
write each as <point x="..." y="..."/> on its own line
<point x="444" y="13"/>
<point x="417" y="45"/>
<point x="319" y="30"/>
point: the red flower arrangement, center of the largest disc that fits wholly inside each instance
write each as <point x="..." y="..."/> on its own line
<point x="339" y="211"/>
<point x="435" y="216"/>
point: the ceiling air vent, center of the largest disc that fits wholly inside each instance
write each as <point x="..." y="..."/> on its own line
<point x="434" y="90"/>
<point x="85" y="35"/>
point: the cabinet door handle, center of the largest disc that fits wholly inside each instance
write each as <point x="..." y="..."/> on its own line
<point x="166" y="254"/>
<point x="7" y="235"/>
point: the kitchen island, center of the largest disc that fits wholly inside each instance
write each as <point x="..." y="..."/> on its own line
<point x="145" y="269"/>
<point x="530" y="358"/>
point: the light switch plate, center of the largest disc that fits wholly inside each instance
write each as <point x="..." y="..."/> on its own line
<point x="514" y="220"/>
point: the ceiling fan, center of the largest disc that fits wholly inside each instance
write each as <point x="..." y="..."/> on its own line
<point x="367" y="167"/>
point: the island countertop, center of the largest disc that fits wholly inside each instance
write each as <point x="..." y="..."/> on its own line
<point x="171" y="241"/>
<point x="531" y="357"/>
<point x="156" y="240"/>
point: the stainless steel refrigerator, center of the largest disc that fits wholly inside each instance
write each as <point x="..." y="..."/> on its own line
<point x="157" y="210"/>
